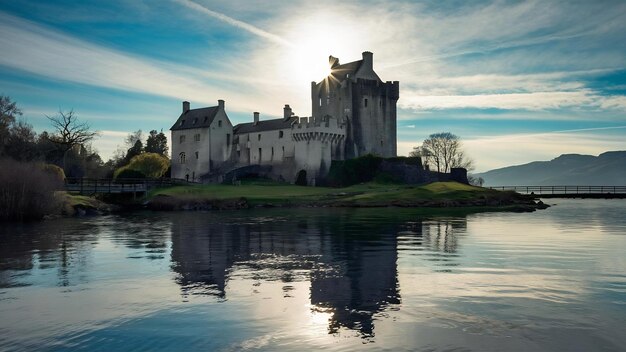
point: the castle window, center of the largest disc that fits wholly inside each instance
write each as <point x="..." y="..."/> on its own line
<point x="196" y="155"/>
<point x="182" y="122"/>
<point x="260" y="155"/>
<point x="196" y="137"/>
<point x="259" y="136"/>
<point x="280" y="134"/>
<point x="283" y="151"/>
<point x="182" y="138"/>
<point x="194" y="121"/>
<point x="272" y="153"/>
<point x="206" y="118"/>
<point x="219" y="123"/>
<point x="227" y="138"/>
<point x="365" y="102"/>
<point x="320" y="101"/>
<point x="182" y="158"/>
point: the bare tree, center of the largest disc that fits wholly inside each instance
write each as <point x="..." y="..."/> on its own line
<point x="69" y="131"/>
<point x="443" y="151"/>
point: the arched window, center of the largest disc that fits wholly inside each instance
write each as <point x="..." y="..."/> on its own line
<point x="182" y="158"/>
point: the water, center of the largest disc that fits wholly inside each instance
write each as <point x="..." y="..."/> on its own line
<point x="333" y="279"/>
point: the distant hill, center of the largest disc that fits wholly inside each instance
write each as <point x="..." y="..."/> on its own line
<point x="568" y="169"/>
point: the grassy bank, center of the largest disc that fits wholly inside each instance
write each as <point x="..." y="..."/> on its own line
<point x="251" y="194"/>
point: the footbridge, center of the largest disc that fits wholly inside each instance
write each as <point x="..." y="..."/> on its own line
<point x="110" y="186"/>
<point x="568" y="191"/>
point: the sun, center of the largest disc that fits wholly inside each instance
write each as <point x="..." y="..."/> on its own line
<point x="314" y="39"/>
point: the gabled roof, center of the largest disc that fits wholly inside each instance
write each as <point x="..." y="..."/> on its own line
<point x="340" y="71"/>
<point x="202" y="117"/>
<point x="266" y="125"/>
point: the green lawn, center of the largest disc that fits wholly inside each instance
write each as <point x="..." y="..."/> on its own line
<point x="264" y="192"/>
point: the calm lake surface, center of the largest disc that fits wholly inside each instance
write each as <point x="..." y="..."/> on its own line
<point x="333" y="279"/>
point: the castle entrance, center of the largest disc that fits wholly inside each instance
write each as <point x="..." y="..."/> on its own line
<point x="301" y="178"/>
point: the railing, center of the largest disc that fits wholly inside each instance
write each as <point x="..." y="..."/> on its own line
<point x="563" y="189"/>
<point x="127" y="185"/>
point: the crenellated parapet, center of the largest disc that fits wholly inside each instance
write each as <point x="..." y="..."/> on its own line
<point x="325" y="129"/>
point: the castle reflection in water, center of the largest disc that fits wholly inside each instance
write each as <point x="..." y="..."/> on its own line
<point x="351" y="264"/>
<point x="349" y="256"/>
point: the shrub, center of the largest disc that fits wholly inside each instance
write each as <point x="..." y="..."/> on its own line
<point x="54" y="171"/>
<point x="28" y="191"/>
<point x="353" y="171"/>
<point x="125" y="172"/>
<point x="151" y="165"/>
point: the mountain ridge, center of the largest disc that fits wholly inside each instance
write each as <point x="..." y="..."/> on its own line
<point x="606" y="169"/>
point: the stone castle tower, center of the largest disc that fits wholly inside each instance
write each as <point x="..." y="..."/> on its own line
<point x="355" y="95"/>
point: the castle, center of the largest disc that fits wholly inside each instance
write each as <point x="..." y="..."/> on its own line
<point x="353" y="114"/>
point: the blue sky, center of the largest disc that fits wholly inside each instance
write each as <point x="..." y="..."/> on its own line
<point x="517" y="80"/>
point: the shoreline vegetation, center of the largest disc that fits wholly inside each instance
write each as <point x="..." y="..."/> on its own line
<point x="34" y="191"/>
<point x="261" y="193"/>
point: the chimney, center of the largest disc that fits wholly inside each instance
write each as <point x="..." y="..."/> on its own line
<point x="368" y="60"/>
<point x="185" y="106"/>
<point x="256" y="118"/>
<point x="220" y="104"/>
<point x="287" y="112"/>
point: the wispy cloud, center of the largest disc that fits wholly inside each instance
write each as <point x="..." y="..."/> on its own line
<point x="43" y="51"/>
<point x="234" y="22"/>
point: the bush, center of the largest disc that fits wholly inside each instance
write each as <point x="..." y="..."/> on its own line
<point x="150" y="165"/>
<point x="353" y="171"/>
<point x="125" y="172"/>
<point x="28" y="191"/>
<point x="54" y="171"/>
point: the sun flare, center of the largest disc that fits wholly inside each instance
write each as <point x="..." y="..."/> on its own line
<point x="314" y="40"/>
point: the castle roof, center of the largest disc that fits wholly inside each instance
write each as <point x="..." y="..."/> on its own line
<point x="195" y="118"/>
<point x="266" y="125"/>
<point x="340" y="71"/>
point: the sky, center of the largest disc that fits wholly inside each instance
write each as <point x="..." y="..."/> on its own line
<point x="518" y="81"/>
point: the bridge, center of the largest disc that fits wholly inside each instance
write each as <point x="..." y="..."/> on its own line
<point x="111" y="186"/>
<point x="568" y="191"/>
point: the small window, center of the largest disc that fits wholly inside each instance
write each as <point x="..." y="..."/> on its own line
<point x="280" y="134"/>
<point x="283" y="151"/>
<point x="239" y="154"/>
<point x="194" y="121"/>
<point x="196" y="155"/>
<point x="206" y="118"/>
<point x="320" y="101"/>
<point x="272" y="153"/>
<point x="182" y="158"/>
<point x="227" y="138"/>
<point x="259" y="136"/>
<point x="196" y="137"/>
<point x="182" y="122"/>
<point x="219" y="123"/>
<point x="365" y="102"/>
<point x="380" y="103"/>
<point x="182" y="138"/>
<point x="260" y="154"/>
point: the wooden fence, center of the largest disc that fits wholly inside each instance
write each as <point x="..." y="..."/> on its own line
<point x="107" y="185"/>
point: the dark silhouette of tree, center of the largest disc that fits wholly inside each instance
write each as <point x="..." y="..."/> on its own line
<point x="8" y="114"/>
<point x="156" y="143"/>
<point x="69" y="131"/>
<point x="443" y="151"/>
<point x="133" y="151"/>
